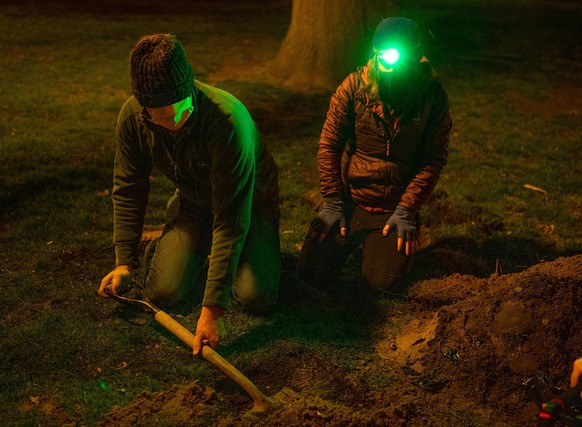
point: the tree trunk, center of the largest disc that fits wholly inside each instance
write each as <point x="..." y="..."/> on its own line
<point x="326" y="40"/>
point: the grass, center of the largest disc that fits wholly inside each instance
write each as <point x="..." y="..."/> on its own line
<point x="64" y="78"/>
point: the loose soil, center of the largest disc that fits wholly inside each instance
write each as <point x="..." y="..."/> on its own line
<point x="459" y="355"/>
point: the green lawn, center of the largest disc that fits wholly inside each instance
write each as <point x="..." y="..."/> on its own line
<point x="513" y="77"/>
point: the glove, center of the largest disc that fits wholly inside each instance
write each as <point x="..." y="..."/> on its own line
<point x="403" y="221"/>
<point x="331" y="214"/>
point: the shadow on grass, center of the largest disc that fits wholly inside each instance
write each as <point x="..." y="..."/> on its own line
<point x="340" y="316"/>
<point x="60" y="179"/>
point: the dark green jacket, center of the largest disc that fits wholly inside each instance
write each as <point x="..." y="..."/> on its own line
<point x="218" y="163"/>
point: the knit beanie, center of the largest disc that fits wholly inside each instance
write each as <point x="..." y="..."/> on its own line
<point x="160" y="72"/>
<point x="400" y="32"/>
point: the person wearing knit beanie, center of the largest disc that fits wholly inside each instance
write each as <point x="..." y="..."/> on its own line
<point x="223" y="219"/>
<point x="160" y="72"/>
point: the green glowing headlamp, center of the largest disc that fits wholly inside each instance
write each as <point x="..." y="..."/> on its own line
<point x="389" y="57"/>
<point x="397" y="43"/>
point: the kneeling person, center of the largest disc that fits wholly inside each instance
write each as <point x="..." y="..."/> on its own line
<point x="226" y="206"/>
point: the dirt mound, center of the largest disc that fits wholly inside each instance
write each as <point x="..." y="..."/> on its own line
<point x="459" y="355"/>
<point x="525" y="322"/>
<point x="486" y="337"/>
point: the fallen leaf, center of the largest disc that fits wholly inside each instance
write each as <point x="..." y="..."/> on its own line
<point x="536" y="189"/>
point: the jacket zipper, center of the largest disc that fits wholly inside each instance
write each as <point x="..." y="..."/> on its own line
<point x="389" y="129"/>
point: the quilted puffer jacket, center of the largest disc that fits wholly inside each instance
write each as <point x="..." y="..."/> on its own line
<point x="379" y="156"/>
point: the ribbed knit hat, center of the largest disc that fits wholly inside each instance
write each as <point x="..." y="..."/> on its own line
<point x="160" y="72"/>
<point x="398" y="31"/>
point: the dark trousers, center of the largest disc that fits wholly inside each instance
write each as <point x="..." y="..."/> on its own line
<point x="320" y="263"/>
<point x="176" y="263"/>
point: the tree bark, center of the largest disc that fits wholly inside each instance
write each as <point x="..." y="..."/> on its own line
<point x="326" y="40"/>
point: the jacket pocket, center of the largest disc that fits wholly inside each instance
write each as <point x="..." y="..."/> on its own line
<point x="364" y="171"/>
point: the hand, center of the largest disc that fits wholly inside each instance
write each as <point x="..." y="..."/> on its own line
<point x="404" y="221"/>
<point x="118" y="278"/>
<point x="576" y="373"/>
<point x="331" y="214"/>
<point x="210" y="328"/>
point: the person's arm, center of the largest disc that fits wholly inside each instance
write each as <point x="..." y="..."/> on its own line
<point x="232" y="180"/>
<point x="233" y="141"/>
<point x="130" y="195"/>
<point x="431" y="160"/>
<point x="433" y="156"/>
<point x="131" y="187"/>
<point x="337" y="129"/>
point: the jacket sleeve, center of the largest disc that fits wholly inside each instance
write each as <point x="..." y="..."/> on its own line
<point x="433" y="154"/>
<point x="232" y="176"/>
<point x="337" y="129"/>
<point x="131" y="187"/>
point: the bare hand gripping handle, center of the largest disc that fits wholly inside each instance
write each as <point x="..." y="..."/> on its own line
<point x="261" y="402"/>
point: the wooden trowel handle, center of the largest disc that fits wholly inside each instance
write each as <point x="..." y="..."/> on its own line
<point x="261" y="402"/>
<point x="174" y="327"/>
